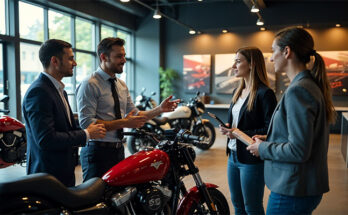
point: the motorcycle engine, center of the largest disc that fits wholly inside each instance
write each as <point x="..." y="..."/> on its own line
<point x="181" y="124"/>
<point x="13" y="147"/>
<point x="152" y="199"/>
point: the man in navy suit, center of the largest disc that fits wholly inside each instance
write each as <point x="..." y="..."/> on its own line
<point x="53" y="137"/>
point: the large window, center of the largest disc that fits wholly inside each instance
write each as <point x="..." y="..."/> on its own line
<point x="107" y="31"/>
<point x="30" y="65"/>
<point x="85" y="36"/>
<point x="2" y="17"/>
<point x="31" y="22"/>
<point x="1" y="75"/>
<point x="38" y="22"/>
<point x="59" y="26"/>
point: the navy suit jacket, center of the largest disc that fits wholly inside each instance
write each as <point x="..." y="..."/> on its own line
<point x="52" y="142"/>
<point x="253" y="122"/>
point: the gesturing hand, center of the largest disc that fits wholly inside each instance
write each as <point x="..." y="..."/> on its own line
<point x="167" y="105"/>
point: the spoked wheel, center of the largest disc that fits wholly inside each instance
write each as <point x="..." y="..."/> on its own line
<point x="135" y="144"/>
<point x="208" y="131"/>
<point x="219" y="201"/>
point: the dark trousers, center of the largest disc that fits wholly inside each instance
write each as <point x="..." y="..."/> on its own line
<point x="97" y="160"/>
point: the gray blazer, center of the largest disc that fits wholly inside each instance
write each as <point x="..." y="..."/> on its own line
<point x="295" y="151"/>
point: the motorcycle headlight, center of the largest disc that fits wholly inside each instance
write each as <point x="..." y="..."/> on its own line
<point x="138" y="98"/>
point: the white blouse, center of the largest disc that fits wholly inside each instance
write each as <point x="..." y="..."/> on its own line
<point x="235" y="116"/>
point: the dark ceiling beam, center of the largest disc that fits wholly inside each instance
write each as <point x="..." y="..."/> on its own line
<point x="128" y="7"/>
<point x="260" y="3"/>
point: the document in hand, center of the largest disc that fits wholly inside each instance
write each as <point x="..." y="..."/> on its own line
<point x="240" y="135"/>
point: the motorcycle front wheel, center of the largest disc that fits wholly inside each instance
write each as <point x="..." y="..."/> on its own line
<point x="137" y="144"/>
<point x="218" y="199"/>
<point x="208" y="131"/>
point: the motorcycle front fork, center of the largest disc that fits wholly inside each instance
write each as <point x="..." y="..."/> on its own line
<point x="201" y="186"/>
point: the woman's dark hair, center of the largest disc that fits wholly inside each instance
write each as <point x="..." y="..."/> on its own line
<point x="52" y="48"/>
<point x="301" y="43"/>
<point x="105" y="46"/>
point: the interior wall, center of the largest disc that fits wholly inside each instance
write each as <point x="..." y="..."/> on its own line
<point x="147" y="60"/>
<point x="179" y="43"/>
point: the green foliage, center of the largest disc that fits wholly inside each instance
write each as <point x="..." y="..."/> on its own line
<point x="167" y="77"/>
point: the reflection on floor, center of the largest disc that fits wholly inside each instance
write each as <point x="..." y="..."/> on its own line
<point x="212" y="165"/>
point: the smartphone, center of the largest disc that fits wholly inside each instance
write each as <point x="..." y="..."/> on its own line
<point x="217" y="119"/>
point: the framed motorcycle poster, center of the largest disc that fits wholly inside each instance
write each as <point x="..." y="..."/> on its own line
<point x="197" y="73"/>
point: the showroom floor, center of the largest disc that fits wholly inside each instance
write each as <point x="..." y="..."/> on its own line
<point x="212" y="164"/>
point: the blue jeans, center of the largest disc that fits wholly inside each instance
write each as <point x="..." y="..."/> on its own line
<point x="286" y="205"/>
<point x="247" y="185"/>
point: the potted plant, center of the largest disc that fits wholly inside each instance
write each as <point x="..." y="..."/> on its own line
<point x="166" y="81"/>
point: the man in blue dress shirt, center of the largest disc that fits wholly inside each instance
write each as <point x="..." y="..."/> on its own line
<point x="104" y="98"/>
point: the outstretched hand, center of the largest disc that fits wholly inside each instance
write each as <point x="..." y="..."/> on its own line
<point x="167" y="105"/>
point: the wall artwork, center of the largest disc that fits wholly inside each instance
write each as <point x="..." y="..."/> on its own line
<point x="336" y="63"/>
<point x="225" y="81"/>
<point x="196" y="73"/>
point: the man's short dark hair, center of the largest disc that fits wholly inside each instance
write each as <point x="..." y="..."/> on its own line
<point x="105" y="46"/>
<point x="52" y="48"/>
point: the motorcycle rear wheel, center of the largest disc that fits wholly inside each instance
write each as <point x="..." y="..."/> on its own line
<point x="207" y="131"/>
<point x="219" y="201"/>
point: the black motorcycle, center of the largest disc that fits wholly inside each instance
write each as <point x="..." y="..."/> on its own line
<point x="183" y="117"/>
<point x="143" y="102"/>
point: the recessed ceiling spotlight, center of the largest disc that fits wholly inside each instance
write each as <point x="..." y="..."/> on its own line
<point x="125" y="0"/>
<point x="192" y="31"/>
<point x="157" y="14"/>
<point x="262" y="28"/>
<point x="224" y="31"/>
<point x="254" y="9"/>
<point x="260" y="21"/>
<point x="338" y="25"/>
<point x="200" y="0"/>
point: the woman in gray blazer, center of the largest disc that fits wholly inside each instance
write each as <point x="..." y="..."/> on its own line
<point x="295" y="149"/>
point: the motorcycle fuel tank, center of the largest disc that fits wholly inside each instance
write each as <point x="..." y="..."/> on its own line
<point x="179" y="112"/>
<point x="9" y="124"/>
<point x="138" y="168"/>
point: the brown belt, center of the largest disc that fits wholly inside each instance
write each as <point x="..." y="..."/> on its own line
<point x="105" y="144"/>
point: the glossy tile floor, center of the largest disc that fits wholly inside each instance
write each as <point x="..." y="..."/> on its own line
<point x="212" y="165"/>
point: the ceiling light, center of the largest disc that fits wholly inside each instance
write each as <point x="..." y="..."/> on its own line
<point x="125" y="0"/>
<point x="192" y="31"/>
<point x="260" y="21"/>
<point x="224" y="31"/>
<point x="254" y="9"/>
<point x="338" y="25"/>
<point x="157" y="14"/>
<point x="262" y="28"/>
<point x="200" y="0"/>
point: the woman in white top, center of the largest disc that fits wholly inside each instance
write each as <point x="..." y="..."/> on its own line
<point x="251" y="109"/>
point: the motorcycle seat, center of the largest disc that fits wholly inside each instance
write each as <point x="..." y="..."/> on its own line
<point x="47" y="186"/>
<point x="160" y="120"/>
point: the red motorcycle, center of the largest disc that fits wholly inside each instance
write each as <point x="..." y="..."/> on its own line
<point x="148" y="182"/>
<point x="13" y="145"/>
